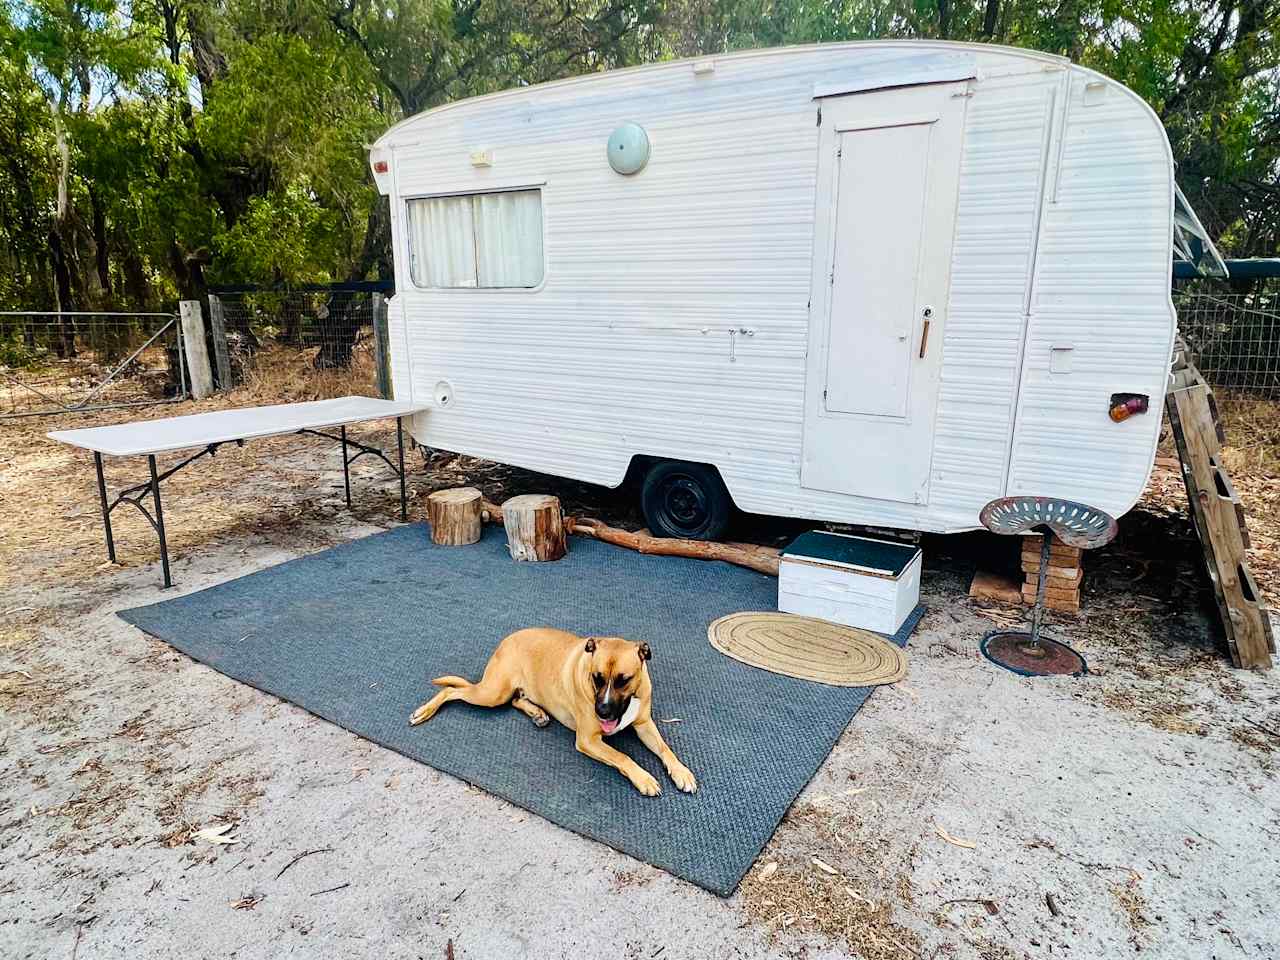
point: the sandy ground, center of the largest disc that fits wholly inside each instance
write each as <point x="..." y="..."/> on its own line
<point x="965" y="812"/>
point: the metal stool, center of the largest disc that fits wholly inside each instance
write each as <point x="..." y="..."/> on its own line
<point x="1076" y="525"/>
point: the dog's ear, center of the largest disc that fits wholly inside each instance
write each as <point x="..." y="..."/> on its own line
<point x="591" y="645"/>
<point x="645" y="652"/>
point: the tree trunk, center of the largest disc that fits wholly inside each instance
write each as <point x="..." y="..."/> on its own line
<point x="454" y="516"/>
<point x="750" y="555"/>
<point x="101" y="251"/>
<point x="762" y="559"/>
<point x="65" y="341"/>
<point x="136" y="286"/>
<point x="991" y="18"/>
<point x="535" y="527"/>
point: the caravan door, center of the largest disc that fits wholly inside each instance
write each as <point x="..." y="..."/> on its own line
<point x="888" y="176"/>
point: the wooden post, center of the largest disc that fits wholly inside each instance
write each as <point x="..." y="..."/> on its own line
<point x="535" y="527"/>
<point x="382" y="347"/>
<point x="454" y="516"/>
<point x="218" y="329"/>
<point x="196" y="349"/>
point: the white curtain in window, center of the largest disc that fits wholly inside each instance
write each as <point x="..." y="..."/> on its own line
<point x="509" y="238"/>
<point x="442" y="245"/>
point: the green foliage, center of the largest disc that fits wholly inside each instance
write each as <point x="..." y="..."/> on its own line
<point x="16" y="354"/>
<point x="223" y="140"/>
<point x="281" y="238"/>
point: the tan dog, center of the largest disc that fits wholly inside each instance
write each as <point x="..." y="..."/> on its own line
<point x="595" y="686"/>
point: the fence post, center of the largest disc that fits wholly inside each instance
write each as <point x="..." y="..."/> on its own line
<point x="382" y="346"/>
<point x="218" y="328"/>
<point x="196" y="348"/>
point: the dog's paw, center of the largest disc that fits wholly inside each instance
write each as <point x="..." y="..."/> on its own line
<point x="682" y="777"/>
<point x="646" y="784"/>
<point x="541" y="720"/>
<point x="424" y="712"/>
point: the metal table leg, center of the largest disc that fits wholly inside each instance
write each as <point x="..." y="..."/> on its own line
<point x="404" y="512"/>
<point x="346" y="473"/>
<point x="106" y="511"/>
<point x="164" y="544"/>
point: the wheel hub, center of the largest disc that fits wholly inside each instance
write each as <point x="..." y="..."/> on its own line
<point x="686" y="503"/>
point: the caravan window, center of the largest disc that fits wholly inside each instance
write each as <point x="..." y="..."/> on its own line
<point x="477" y="240"/>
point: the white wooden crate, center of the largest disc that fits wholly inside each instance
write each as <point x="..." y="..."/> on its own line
<point x="856" y="581"/>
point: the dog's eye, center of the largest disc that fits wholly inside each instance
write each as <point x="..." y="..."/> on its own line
<point x="598" y="679"/>
<point x="620" y="682"/>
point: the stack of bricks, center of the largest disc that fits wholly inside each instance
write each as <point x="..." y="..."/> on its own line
<point x="1066" y="573"/>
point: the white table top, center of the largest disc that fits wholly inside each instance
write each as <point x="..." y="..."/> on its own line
<point x="221" y="426"/>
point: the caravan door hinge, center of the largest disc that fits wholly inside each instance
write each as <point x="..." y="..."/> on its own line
<point x="819" y="115"/>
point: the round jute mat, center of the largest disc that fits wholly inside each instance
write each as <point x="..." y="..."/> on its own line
<point x="808" y="649"/>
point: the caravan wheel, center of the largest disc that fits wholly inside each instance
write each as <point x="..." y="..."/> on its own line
<point x="685" y="500"/>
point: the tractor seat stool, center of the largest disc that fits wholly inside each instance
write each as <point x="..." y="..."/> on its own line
<point x="1076" y="525"/>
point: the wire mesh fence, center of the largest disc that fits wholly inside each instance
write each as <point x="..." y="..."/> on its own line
<point x="66" y="361"/>
<point x="310" y="342"/>
<point x="1234" y="339"/>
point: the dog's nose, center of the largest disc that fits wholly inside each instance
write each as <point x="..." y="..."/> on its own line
<point x="603" y="710"/>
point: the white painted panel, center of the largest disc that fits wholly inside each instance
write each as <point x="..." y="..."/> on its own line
<point x="888" y="221"/>
<point x="849" y="597"/>
<point x="1102" y="287"/>
<point x="880" y="208"/>
<point x="930" y="68"/>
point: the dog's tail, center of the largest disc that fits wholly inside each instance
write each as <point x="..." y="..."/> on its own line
<point x="451" y="682"/>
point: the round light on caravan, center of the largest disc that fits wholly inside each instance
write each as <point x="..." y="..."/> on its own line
<point x="628" y="149"/>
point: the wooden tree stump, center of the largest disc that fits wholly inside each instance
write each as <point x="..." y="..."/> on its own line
<point x="454" y="516"/>
<point x="535" y="527"/>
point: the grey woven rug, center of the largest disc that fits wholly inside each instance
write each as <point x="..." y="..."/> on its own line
<point x="355" y="634"/>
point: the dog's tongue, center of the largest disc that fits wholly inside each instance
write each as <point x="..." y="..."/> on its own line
<point x="608" y="726"/>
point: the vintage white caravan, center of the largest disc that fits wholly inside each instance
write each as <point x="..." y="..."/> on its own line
<point x="880" y="283"/>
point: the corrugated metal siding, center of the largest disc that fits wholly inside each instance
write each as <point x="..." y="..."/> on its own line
<point x="1102" y="288"/>
<point x="1001" y="183"/>
<point x="625" y="350"/>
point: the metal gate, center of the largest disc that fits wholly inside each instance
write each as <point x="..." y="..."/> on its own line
<point x="56" y="361"/>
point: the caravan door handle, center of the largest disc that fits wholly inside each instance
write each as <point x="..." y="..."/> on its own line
<point x="927" y="312"/>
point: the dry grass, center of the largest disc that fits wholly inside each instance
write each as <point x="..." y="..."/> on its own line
<point x="802" y="899"/>
<point x="282" y="374"/>
<point x="1251" y="457"/>
<point x="1133" y="905"/>
<point x="1156" y="708"/>
<point x="1252" y="739"/>
<point x="624" y="880"/>
<point x="790" y="893"/>
<point x="50" y="522"/>
<point x="1253" y="435"/>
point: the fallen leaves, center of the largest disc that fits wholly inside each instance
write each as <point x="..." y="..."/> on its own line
<point x="248" y="902"/>
<point x="955" y="841"/>
<point x="218" y="833"/>
<point x="824" y="866"/>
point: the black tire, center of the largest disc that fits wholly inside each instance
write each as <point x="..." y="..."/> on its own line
<point x="685" y="500"/>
